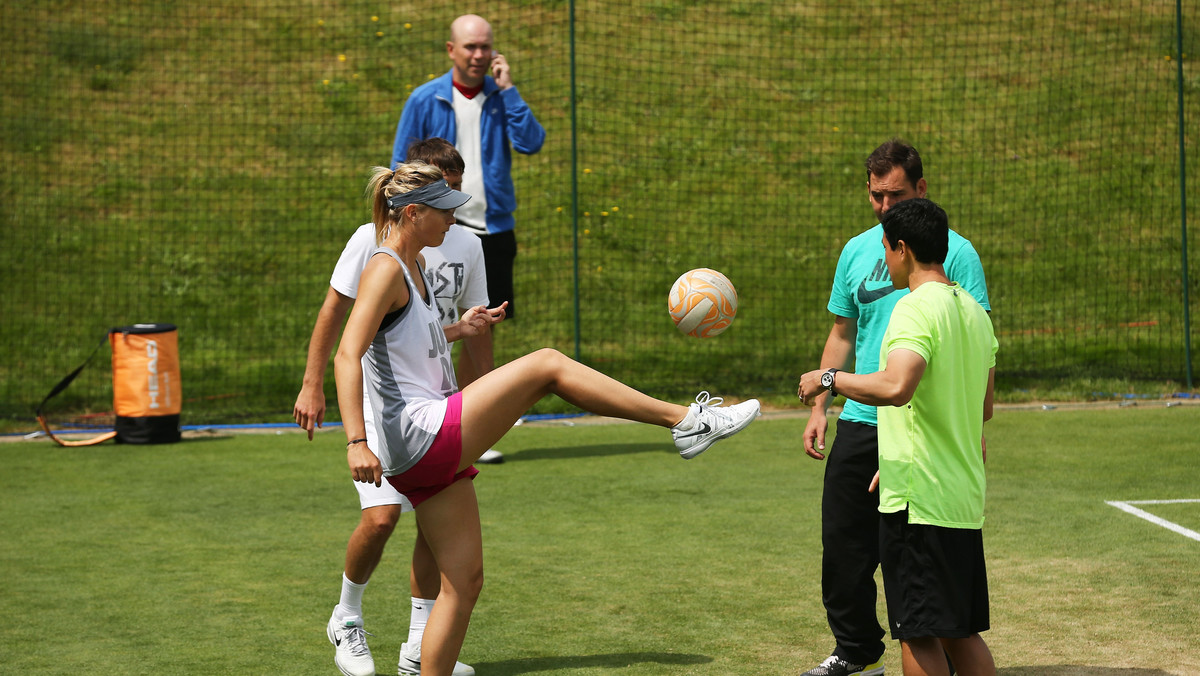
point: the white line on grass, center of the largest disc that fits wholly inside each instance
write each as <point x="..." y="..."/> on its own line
<point x="1128" y="506"/>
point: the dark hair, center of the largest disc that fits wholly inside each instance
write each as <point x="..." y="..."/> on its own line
<point x="922" y="225"/>
<point x="436" y="151"/>
<point x="892" y="154"/>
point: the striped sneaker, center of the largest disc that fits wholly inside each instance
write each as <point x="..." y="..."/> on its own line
<point x="836" y="666"/>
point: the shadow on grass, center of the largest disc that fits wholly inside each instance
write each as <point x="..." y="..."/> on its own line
<point x="1078" y="670"/>
<point x="531" y="665"/>
<point x="595" y="451"/>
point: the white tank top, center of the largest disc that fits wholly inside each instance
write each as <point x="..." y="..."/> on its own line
<point x="409" y="375"/>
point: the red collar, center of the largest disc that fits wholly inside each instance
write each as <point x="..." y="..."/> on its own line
<point x="469" y="92"/>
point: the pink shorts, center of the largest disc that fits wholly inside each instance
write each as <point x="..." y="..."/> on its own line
<point x="438" y="468"/>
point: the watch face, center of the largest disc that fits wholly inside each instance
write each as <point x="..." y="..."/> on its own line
<point x="827" y="380"/>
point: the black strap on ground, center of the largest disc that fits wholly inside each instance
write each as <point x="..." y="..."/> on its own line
<point x="62" y="385"/>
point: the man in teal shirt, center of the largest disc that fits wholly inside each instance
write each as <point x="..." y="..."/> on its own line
<point x="934" y="392"/>
<point x="861" y="301"/>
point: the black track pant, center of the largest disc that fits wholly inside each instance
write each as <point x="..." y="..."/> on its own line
<point x="850" y="543"/>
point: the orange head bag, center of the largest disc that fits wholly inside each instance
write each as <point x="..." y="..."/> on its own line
<point x="147" y="396"/>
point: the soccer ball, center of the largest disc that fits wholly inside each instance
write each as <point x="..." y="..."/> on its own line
<point x="702" y="303"/>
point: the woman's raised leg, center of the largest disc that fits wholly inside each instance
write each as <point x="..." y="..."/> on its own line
<point x="493" y="403"/>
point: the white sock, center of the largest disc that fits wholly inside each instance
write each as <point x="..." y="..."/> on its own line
<point x="351" y="602"/>
<point x="421" y="608"/>
<point x="688" y="422"/>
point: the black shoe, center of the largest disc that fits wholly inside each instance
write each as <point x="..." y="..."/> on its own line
<point x="836" y="666"/>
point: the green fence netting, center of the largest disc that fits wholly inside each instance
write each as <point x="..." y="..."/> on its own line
<point x="203" y="164"/>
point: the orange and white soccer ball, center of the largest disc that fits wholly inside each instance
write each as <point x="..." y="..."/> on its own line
<point x="702" y="303"/>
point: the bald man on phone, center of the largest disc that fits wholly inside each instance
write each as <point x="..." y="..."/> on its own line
<point x="477" y="107"/>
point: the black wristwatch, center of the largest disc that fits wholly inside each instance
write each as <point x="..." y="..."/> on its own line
<point x="827" y="381"/>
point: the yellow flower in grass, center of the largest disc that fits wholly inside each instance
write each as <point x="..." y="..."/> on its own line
<point x="342" y="57"/>
<point x="408" y="26"/>
<point x="374" y="18"/>
<point x="378" y="34"/>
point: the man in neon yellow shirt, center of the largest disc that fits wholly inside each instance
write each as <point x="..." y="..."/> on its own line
<point x="934" y="391"/>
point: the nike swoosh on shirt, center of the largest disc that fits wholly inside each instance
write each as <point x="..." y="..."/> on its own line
<point x="866" y="295"/>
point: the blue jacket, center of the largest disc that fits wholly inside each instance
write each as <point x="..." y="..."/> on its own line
<point x="506" y="118"/>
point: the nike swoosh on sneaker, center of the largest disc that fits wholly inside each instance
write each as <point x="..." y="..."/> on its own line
<point x="866" y="295"/>
<point x="704" y="428"/>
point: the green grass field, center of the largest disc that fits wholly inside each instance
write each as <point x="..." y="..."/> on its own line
<point x="605" y="553"/>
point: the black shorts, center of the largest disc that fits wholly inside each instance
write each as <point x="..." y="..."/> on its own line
<point x="934" y="579"/>
<point x="499" y="252"/>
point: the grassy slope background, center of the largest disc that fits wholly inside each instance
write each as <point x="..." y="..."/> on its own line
<point x="203" y="165"/>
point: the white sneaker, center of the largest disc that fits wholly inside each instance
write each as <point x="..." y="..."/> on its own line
<point x="491" y="457"/>
<point x="707" y="422"/>
<point x="411" y="667"/>
<point x="352" y="656"/>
